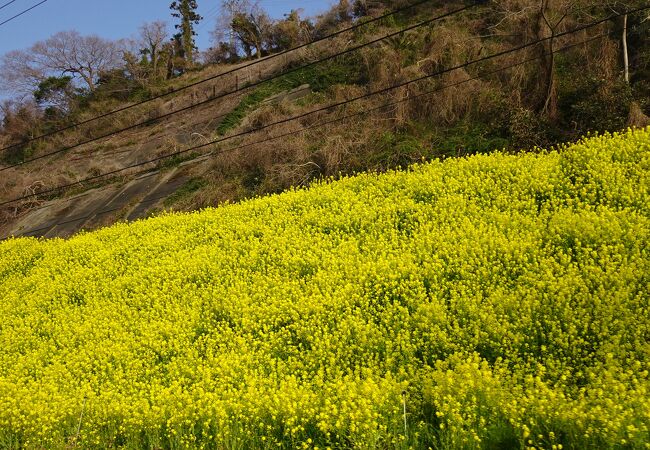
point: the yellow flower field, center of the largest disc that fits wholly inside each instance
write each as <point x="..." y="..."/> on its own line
<point x="502" y="300"/>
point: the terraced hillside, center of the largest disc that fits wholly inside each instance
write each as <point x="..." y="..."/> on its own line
<point x="493" y="301"/>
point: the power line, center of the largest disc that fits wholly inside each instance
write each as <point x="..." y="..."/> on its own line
<point x="217" y="141"/>
<point x="426" y="22"/>
<point x="212" y="13"/>
<point x="7" y="4"/>
<point x="340" y="119"/>
<point x="250" y="85"/>
<point x="329" y="107"/>
<point x="21" y="13"/>
<point x="223" y="74"/>
<point x="422" y="94"/>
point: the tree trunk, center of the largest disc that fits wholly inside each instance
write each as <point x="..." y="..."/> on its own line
<point x="188" y="33"/>
<point x="626" y="60"/>
<point x="258" y="50"/>
<point x="89" y="79"/>
<point x="170" y="67"/>
<point x="188" y="43"/>
<point x="154" y="60"/>
<point x="550" y="104"/>
<point x="547" y="88"/>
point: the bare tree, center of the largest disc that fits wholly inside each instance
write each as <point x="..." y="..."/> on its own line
<point x="229" y="8"/>
<point x="152" y="37"/>
<point x="622" y="8"/>
<point x="84" y="58"/>
<point x="136" y="65"/>
<point x="530" y="20"/>
<point x="253" y="30"/>
<point x="245" y="25"/>
<point x="547" y="28"/>
<point x="20" y="74"/>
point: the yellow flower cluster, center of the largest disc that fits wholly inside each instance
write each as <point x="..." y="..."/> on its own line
<point x="496" y="301"/>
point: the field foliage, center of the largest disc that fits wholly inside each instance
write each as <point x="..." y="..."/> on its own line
<point x="502" y="299"/>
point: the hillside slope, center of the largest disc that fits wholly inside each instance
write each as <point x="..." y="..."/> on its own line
<point x="506" y="296"/>
<point x="95" y="203"/>
<point x="376" y="90"/>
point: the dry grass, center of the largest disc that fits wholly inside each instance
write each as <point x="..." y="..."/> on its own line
<point x="637" y="118"/>
<point x="297" y="160"/>
<point x="287" y="165"/>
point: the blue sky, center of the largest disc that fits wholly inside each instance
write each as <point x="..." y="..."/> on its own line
<point x="114" y="19"/>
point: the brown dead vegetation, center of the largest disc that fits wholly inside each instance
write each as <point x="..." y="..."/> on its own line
<point x="512" y="102"/>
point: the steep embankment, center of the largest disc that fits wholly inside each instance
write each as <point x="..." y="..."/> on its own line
<point x="361" y="95"/>
<point x="505" y="295"/>
<point x="158" y="129"/>
<point x="157" y="165"/>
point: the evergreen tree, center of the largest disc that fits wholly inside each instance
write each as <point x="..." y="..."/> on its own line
<point x="185" y="10"/>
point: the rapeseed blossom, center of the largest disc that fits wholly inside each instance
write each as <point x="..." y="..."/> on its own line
<point x="490" y="301"/>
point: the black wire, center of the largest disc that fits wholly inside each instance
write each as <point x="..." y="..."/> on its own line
<point x="340" y="119"/>
<point x="225" y="94"/>
<point x="422" y="94"/>
<point x="7" y="4"/>
<point x="381" y="91"/>
<point x="21" y="13"/>
<point x="214" y="77"/>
